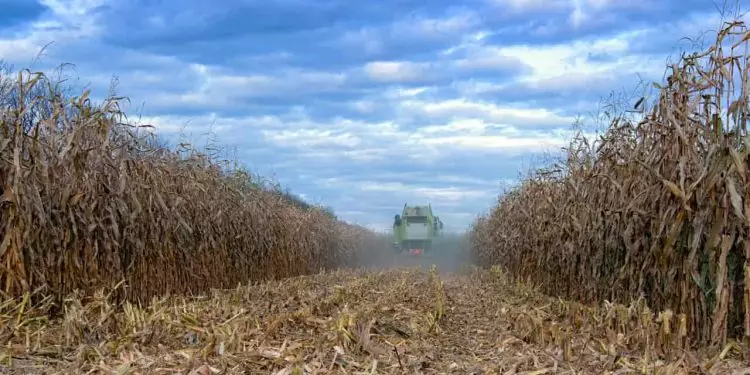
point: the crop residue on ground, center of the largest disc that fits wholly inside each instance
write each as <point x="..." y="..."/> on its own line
<point x="397" y="321"/>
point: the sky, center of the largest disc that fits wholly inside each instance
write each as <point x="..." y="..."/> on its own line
<point x="365" y="106"/>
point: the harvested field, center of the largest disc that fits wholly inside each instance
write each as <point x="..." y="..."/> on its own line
<point x="399" y="321"/>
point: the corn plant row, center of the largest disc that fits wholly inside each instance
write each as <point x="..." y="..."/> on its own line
<point x="658" y="207"/>
<point x="89" y="201"/>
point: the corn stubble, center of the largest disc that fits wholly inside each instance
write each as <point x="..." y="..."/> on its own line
<point x="350" y="322"/>
<point x="658" y="208"/>
<point x="89" y="201"/>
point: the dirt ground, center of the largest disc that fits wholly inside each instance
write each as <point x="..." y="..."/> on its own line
<point x="405" y="318"/>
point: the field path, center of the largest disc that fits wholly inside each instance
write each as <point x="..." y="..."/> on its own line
<point x="401" y="320"/>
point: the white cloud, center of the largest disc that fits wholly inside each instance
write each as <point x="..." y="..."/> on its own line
<point x="489" y="112"/>
<point x="211" y="121"/>
<point x="218" y="84"/>
<point x="505" y="144"/>
<point x="395" y="71"/>
<point x="371" y="141"/>
<point x="445" y="195"/>
<point x="375" y="39"/>
<point x="436" y="27"/>
<point x="523" y="6"/>
<point x="569" y="67"/>
<point x="64" y="22"/>
<point x="210" y="88"/>
<point x="19" y="49"/>
<point x="312" y="138"/>
<point x="471" y="126"/>
<point x="72" y="10"/>
<point x="578" y="15"/>
<point x="555" y="60"/>
<point x="487" y="62"/>
<point x="580" y="12"/>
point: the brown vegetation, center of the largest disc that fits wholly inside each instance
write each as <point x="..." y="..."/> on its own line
<point x="346" y="322"/>
<point x="89" y="201"/>
<point x="95" y="216"/>
<point x="658" y="208"/>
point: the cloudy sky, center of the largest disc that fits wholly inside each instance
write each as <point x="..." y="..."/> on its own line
<point x="363" y="106"/>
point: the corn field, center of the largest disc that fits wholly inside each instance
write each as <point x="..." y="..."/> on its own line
<point x="657" y="208"/>
<point x="89" y="201"/>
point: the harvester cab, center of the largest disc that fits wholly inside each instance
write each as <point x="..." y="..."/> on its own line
<point x="415" y="229"/>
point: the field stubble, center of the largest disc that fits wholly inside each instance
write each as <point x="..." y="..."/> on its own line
<point x="401" y="321"/>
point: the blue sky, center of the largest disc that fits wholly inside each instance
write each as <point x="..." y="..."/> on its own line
<point x="363" y="106"/>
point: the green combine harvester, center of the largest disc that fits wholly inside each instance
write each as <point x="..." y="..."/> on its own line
<point x="416" y="230"/>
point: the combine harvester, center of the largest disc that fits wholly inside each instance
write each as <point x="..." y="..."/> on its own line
<point x="416" y="230"/>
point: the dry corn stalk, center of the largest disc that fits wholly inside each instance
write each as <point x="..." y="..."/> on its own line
<point x="89" y="201"/>
<point x="658" y="208"/>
